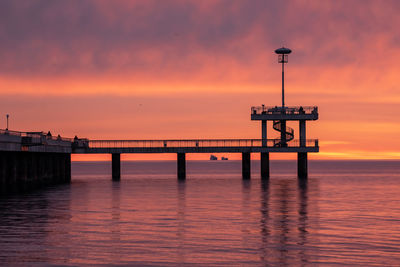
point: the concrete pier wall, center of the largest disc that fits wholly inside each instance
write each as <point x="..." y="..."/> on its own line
<point x="26" y="171"/>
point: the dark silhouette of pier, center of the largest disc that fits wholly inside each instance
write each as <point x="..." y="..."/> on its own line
<point x="30" y="159"/>
<point x="35" y="158"/>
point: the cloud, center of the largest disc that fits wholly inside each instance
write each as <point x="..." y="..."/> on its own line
<point x="196" y="67"/>
<point x="187" y="39"/>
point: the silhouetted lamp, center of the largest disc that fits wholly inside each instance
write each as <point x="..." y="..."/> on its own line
<point x="283" y="53"/>
<point x="7" y="116"/>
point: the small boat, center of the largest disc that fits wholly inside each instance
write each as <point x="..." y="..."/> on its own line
<point x="223" y="158"/>
<point x="212" y="157"/>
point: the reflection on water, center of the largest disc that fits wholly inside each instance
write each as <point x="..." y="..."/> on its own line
<point x="264" y="220"/>
<point x="211" y="219"/>
<point x="180" y="231"/>
<point x="115" y="226"/>
<point x="246" y="213"/>
<point x="303" y="221"/>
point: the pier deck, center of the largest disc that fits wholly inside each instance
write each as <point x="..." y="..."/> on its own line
<point x="193" y="146"/>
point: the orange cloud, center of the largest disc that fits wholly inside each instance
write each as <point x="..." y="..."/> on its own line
<point x="179" y="69"/>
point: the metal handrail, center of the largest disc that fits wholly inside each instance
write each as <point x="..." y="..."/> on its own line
<point x="41" y="137"/>
<point x="8" y="132"/>
<point x="37" y="135"/>
<point x="284" y="110"/>
<point x="60" y="138"/>
<point x="195" y="143"/>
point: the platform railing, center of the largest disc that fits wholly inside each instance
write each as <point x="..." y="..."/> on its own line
<point x="284" y="110"/>
<point x="195" y="143"/>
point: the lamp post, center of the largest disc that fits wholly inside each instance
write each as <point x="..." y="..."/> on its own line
<point x="7" y="116"/>
<point x="283" y="53"/>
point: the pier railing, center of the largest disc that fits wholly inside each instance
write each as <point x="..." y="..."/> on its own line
<point x="35" y="135"/>
<point x="7" y="132"/>
<point x="33" y="139"/>
<point x="42" y="139"/>
<point x="197" y="143"/>
<point x="285" y="110"/>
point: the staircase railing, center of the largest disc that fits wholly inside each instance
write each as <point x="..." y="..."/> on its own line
<point x="289" y="134"/>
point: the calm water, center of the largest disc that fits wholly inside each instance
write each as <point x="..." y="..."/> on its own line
<point x="347" y="213"/>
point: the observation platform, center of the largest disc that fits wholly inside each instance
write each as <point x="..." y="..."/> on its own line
<point x="279" y="116"/>
<point x="284" y="113"/>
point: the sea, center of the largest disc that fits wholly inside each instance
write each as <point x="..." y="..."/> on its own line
<point x="346" y="214"/>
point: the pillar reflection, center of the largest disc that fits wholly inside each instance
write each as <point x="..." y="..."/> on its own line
<point x="181" y="217"/>
<point x="284" y="220"/>
<point x="265" y="220"/>
<point x="303" y="220"/>
<point x="116" y="220"/>
<point x="246" y="212"/>
<point x="116" y="211"/>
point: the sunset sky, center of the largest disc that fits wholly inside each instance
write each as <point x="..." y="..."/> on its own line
<point x="193" y="69"/>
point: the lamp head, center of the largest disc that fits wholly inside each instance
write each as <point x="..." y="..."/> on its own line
<point x="283" y="54"/>
<point x="283" y="50"/>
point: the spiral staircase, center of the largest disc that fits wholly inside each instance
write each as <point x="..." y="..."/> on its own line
<point x="277" y="125"/>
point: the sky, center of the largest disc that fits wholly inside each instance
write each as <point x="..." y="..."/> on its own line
<point x="192" y="69"/>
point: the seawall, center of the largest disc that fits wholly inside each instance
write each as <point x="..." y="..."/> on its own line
<point x="22" y="171"/>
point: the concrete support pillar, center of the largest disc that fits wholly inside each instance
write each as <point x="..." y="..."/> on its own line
<point x="22" y="171"/>
<point x="283" y="133"/>
<point x="10" y="171"/>
<point x="246" y="164"/>
<point x="62" y="167"/>
<point x="44" y="168"/>
<point x="302" y="165"/>
<point x="68" y="167"/>
<point x="302" y="130"/>
<point x="264" y="165"/>
<point x="56" y="168"/>
<point x="181" y="165"/>
<point x="35" y="169"/>
<point x="60" y="163"/>
<point x="264" y="133"/>
<point x="41" y="169"/>
<point x="13" y="171"/>
<point x="116" y="166"/>
<point x="30" y="177"/>
<point x="3" y="166"/>
<point x="50" y="168"/>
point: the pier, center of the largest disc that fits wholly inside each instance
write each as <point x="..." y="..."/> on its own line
<point x="181" y="147"/>
<point x="34" y="159"/>
<point x="30" y="160"/>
